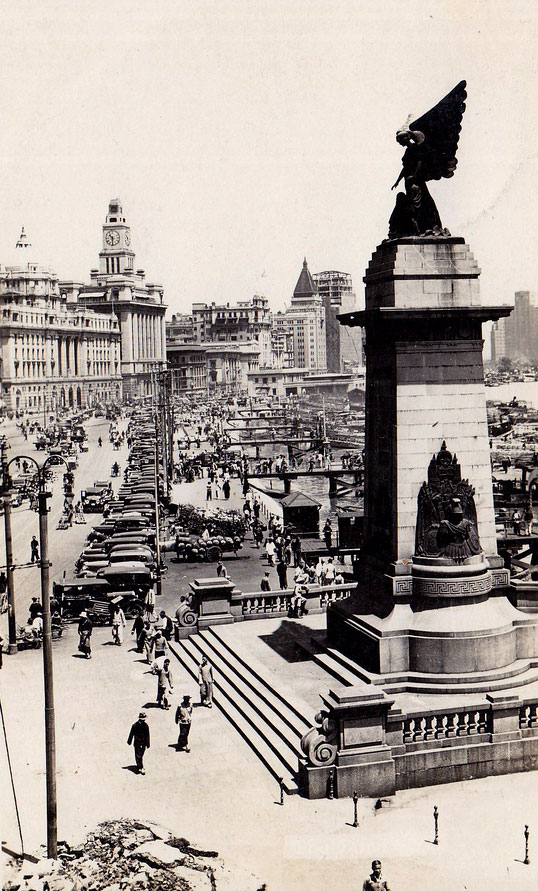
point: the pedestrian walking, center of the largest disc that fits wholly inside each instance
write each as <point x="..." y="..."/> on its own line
<point x="118" y="625"/>
<point x="282" y="572"/>
<point x="209" y="492"/>
<point x="265" y="584"/>
<point x="34" y="550"/>
<point x="226" y="489"/>
<point x="328" y="534"/>
<point x="165" y="684"/>
<point x="100" y="442"/>
<point x="137" y="629"/>
<point x="184" y="719"/>
<point x="35" y="609"/>
<point x="222" y="572"/>
<point x="149" y="604"/>
<point x="139" y="736"/>
<point x="270" y="550"/>
<point x="160" y="645"/>
<point x="165" y="624"/>
<point x="205" y="682"/>
<point x="297" y="550"/>
<point x="85" y="628"/>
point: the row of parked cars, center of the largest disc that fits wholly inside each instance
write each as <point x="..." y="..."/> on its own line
<point x="119" y="561"/>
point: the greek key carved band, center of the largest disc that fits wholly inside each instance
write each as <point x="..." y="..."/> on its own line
<point x="455" y="588"/>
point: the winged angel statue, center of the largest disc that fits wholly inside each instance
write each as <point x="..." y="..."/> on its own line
<point x="431" y="143"/>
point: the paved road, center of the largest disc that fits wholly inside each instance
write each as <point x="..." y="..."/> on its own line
<point x="65" y="545"/>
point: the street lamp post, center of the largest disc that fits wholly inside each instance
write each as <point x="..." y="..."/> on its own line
<point x="6" y="491"/>
<point x="48" y="677"/>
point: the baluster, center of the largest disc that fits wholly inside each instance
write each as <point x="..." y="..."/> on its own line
<point x="247" y="606"/>
<point x="533" y="715"/>
<point x="524" y="716"/>
<point x="473" y="722"/>
<point x="440" y="733"/>
<point x="418" y="735"/>
<point x="483" y="721"/>
<point x="463" y="724"/>
<point x="431" y="727"/>
<point x="452" y="725"/>
<point x="409" y="729"/>
<point x="255" y="605"/>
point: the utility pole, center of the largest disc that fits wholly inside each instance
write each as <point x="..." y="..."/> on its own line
<point x="50" y="734"/>
<point x="6" y="491"/>
<point x="50" y="731"/>
<point x="159" y="580"/>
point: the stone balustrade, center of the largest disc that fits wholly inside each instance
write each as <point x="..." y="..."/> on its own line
<point x="377" y="748"/>
<point x="266" y="604"/>
<point x="445" y="725"/>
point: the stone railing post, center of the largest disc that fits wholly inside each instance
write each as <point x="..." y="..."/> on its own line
<point x="394" y="730"/>
<point x="363" y="759"/>
<point x="504" y="716"/>
<point x="213" y="598"/>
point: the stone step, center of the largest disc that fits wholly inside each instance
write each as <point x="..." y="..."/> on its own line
<point x="274" y="713"/>
<point x="343" y="669"/>
<point x="237" y="677"/>
<point x="296" y="712"/>
<point x="278" y="753"/>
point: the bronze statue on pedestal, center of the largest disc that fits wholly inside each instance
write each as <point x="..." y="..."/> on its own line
<point x="431" y="143"/>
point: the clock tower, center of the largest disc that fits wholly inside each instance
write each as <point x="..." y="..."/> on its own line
<point x="116" y="257"/>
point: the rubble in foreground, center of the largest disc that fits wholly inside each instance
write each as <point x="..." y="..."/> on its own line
<point x="129" y="854"/>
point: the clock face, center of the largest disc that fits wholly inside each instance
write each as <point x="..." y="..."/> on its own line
<point x="112" y="237"/>
<point x="127" y="239"/>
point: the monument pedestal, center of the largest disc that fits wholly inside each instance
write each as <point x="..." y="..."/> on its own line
<point x="416" y="615"/>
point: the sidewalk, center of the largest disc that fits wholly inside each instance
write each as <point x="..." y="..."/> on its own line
<point x="220" y="797"/>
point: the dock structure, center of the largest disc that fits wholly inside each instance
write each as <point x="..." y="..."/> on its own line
<point x="341" y="479"/>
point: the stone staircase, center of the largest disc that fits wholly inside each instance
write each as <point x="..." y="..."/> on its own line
<point x="271" y="723"/>
<point x="344" y="670"/>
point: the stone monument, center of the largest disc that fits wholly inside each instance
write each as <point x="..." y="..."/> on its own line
<point x="430" y="615"/>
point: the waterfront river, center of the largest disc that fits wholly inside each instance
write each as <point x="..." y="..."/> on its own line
<point x="527" y="391"/>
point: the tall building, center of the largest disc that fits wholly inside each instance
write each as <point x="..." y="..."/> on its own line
<point x="245" y="321"/>
<point x="116" y="287"/>
<point x="281" y="341"/>
<point x="306" y="316"/>
<point x="54" y="353"/>
<point x="344" y="344"/>
<point x="516" y="337"/>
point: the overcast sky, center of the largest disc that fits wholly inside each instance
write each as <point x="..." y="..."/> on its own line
<point x="242" y="136"/>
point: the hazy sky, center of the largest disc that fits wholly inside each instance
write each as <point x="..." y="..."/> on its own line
<point x="242" y="136"/>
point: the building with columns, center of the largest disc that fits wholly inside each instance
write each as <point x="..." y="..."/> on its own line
<point x="54" y="353"/>
<point x="118" y="288"/>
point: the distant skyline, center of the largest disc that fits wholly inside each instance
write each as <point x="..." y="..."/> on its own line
<point x="242" y="137"/>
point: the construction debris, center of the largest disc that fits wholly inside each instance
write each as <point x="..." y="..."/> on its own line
<point x="127" y="854"/>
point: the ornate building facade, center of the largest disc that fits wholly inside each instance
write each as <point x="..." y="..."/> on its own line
<point x="120" y="289"/>
<point x="54" y="353"/>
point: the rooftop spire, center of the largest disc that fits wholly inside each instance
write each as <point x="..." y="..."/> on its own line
<point x="305" y="286"/>
<point x="23" y="240"/>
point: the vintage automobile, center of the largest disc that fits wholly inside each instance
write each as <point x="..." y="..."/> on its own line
<point x="95" y="596"/>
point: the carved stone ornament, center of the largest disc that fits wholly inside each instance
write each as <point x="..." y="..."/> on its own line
<point x="319" y="744"/>
<point x="446" y="516"/>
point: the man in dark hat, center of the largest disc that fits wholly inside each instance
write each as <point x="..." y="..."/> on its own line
<point x="139" y="735"/>
<point x="184" y="720"/>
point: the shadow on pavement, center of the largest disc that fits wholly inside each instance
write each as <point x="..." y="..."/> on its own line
<point x="287" y="638"/>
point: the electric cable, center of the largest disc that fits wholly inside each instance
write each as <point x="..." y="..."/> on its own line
<point x="12" y="779"/>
